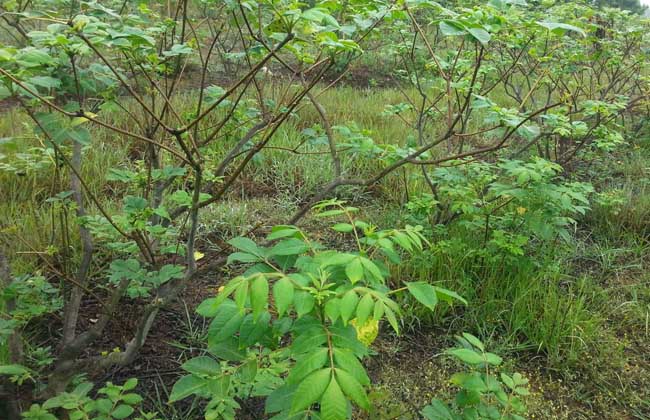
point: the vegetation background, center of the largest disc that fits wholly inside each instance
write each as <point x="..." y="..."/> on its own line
<point x="324" y="210"/>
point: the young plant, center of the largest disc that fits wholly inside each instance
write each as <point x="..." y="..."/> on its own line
<point x="303" y="309"/>
<point x="483" y="394"/>
<point x="116" y="402"/>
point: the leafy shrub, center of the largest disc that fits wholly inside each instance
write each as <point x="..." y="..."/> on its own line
<point x="483" y="394"/>
<point x="305" y="310"/>
<point x="502" y="208"/>
<point x="116" y="402"/>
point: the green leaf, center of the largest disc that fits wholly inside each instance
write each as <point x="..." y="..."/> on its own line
<point x="345" y="337"/>
<point x="392" y="319"/>
<point x="208" y="308"/>
<point x="131" y="399"/>
<point x="424" y="293"/>
<point x="333" y="405"/>
<point x="466" y="355"/>
<point x="437" y="411"/>
<point x="469" y="381"/>
<point x="308" y="340"/>
<point x="240" y="296"/>
<point x="311" y="389"/>
<point x="493" y="359"/>
<point x="280" y="399"/>
<point x="348" y="305"/>
<point x="259" y="295"/>
<point x="186" y="386"/>
<point x="246" y="245"/>
<point x="333" y="309"/>
<point x="479" y="34"/>
<point x="365" y="308"/>
<point x="283" y="294"/>
<point x="227" y="349"/>
<point x="561" y="28"/>
<point x="251" y="331"/>
<point x="45" y="81"/>
<point x="122" y="411"/>
<point x="307" y="364"/>
<point x="372" y="268"/>
<point x="290" y="247"/>
<point x="354" y="270"/>
<point x="474" y="341"/>
<point x="328" y="213"/>
<point x="130" y="384"/>
<point x="248" y="371"/>
<point x="303" y="302"/>
<point x="13" y="370"/>
<point x="343" y="227"/>
<point x="347" y="361"/>
<point x="282" y="231"/>
<point x="202" y="365"/>
<point x="242" y="257"/>
<point x="352" y="388"/>
<point x="225" y="323"/>
<point x="452" y="28"/>
<point x="449" y="296"/>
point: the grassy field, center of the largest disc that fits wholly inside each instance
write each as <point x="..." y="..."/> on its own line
<point x="575" y="319"/>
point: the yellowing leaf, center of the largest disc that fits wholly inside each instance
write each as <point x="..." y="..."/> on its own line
<point x="198" y="255"/>
<point x="366" y="332"/>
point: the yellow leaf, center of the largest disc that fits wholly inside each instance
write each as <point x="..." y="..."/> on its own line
<point x="198" y="255"/>
<point x="366" y="333"/>
<point x="81" y="120"/>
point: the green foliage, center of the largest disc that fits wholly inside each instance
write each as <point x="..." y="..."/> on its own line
<point x="298" y="291"/>
<point x="113" y="402"/>
<point x="497" y="111"/>
<point x="482" y="393"/>
<point x="509" y="205"/>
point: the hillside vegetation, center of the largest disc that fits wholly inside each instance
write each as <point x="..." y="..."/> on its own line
<point x="324" y="210"/>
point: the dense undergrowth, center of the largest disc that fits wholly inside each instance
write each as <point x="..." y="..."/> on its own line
<point x="324" y="211"/>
